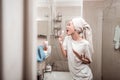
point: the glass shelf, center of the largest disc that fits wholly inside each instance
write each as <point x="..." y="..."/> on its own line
<point x="42" y="19"/>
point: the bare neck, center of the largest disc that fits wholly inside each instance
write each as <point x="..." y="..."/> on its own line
<point x="76" y="36"/>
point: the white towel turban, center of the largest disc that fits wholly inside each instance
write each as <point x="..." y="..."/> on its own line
<point x="80" y="24"/>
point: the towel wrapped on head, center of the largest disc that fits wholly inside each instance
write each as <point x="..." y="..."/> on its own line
<point x="82" y="27"/>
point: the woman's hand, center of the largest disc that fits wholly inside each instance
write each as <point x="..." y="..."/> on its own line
<point x="60" y="39"/>
<point x="82" y="58"/>
<point x="79" y="56"/>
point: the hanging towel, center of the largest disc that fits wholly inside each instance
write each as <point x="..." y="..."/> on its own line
<point x="117" y="37"/>
<point x="40" y="54"/>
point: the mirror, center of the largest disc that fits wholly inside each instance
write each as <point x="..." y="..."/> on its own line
<point x="52" y="18"/>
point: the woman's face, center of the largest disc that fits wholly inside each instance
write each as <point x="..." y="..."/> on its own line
<point x="70" y="28"/>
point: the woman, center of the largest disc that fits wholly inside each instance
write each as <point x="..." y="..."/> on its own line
<point x="77" y="47"/>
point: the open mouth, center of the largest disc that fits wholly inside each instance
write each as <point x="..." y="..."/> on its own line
<point x="67" y="30"/>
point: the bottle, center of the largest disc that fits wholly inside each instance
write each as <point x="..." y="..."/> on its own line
<point x="48" y="68"/>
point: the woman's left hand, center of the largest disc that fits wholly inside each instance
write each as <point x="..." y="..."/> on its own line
<point x="82" y="57"/>
<point x="77" y="54"/>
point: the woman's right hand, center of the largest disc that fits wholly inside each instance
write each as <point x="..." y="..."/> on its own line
<point x="60" y="39"/>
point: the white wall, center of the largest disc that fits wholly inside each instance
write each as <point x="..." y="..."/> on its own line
<point x="12" y="39"/>
<point x="42" y="27"/>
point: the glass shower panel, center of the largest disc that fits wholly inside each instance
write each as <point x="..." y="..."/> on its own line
<point x="62" y="11"/>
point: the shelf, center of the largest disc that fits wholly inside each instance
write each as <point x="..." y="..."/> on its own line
<point x="42" y="19"/>
<point x="57" y="28"/>
<point x="41" y="36"/>
<point x="57" y="20"/>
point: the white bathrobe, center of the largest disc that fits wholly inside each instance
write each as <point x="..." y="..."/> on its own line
<point x="117" y="37"/>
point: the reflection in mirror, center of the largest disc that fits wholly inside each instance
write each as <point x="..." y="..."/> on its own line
<point x="51" y="22"/>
